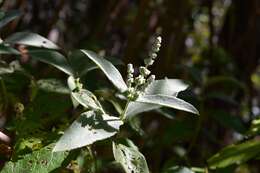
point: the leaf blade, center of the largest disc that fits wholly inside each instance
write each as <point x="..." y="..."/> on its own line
<point x="30" y="39"/>
<point x="130" y="159"/>
<point x="38" y="161"/>
<point x="109" y="70"/>
<point x="168" y="101"/>
<point x="53" y="58"/>
<point x="87" y="129"/>
<point x="8" y="17"/>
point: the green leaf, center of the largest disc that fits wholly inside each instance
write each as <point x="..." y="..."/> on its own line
<point x="178" y="169"/>
<point x="81" y="65"/>
<point x="164" y="86"/>
<point x="53" y="58"/>
<point x="86" y="99"/>
<point x="235" y="154"/>
<point x="40" y="161"/>
<point x="53" y="85"/>
<point x="6" y="17"/>
<point x="109" y="70"/>
<point x="30" y="39"/>
<point x="71" y="83"/>
<point x="131" y="159"/>
<point x="254" y="127"/>
<point x="4" y="49"/>
<point x="87" y="129"/>
<point x="168" y="101"/>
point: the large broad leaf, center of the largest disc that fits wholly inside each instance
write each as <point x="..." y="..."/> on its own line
<point x="109" y="70"/>
<point x="86" y="99"/>
<point x="4" y="49"/>
<point x="130" y="158"/>
<point x="53" y="85"/>
<point x="235" y="154"/>
<point x="87" y="129"/>
<point x="81" y="65"/>
<point x="6" y="17"/>
<point x="53" y="58"/>
<point x="41" y="161"/>
<point x="164" y="87"/>
<point x="168" y="101"/>
<point x="30" y="39"/>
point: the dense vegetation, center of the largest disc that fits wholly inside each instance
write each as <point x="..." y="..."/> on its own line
<point x="91" y="86"/>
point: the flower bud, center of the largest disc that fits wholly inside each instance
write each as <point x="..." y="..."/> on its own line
<point x="152" y="55"/>
<point x="144" y="71"/>
<point x="130" y="68"/>
<point x="139" y="80"/>
<point x="159" y="39"/>
<point x="130" y="81"/>
<point x="148" y="61"/>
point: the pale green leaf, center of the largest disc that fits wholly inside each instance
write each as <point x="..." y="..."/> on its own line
<point x="53" y="58"/>
<point x="6" y="17"/>
<point x="86" y="99"/>
<point x="166" y="86"/>
<point x="30" y="39"/>
<point x="168" y="101"/>
<point x="235" y="154"/>
<point x="87" y="129"/>
<point x="109" y="70"/>
<point x="40" y="161"/>
<point x="53" y="85"/>
<point x="178" y="169"/>
<point x="130" y="159"/>
<point x="81" y="65"/>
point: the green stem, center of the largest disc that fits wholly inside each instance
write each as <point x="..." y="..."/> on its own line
<point x="4" y="92"/>
<point x="123" y="115"/>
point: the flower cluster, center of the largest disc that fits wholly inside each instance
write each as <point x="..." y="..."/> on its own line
<point x="137" y="85"/>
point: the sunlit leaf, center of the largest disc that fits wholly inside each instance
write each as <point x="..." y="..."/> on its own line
<point x="30" y="39"/>
<point x="235" y="154"/>
<point x="81" y="65"/>
<point x="86" y="99"/>
<point x="87" y="129"/>
<point x="131" y="159"/>
<point x="166" y="86"/>
<point x="109" y="70"/>
<point x="168" y="101"/>
<point x="53" y="58"/>
<point x="40" y="161"/>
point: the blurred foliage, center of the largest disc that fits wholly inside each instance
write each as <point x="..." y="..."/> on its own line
<point x="211" y="44"/>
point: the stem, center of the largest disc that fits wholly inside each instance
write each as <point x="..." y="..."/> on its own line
<point x="122" y="116"/>
<point x="93" y="156"/>
<point x="4" y="92"/>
